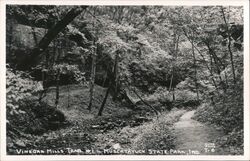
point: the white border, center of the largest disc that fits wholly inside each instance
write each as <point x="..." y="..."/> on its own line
<point x="244" y="3"/>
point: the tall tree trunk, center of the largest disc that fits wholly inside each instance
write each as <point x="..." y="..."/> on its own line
<point x="34" y="35"/>
<point x="229" y="44"/>
<point x="170" y="84"/>
<point x="214" y="57"/>
<point x="10" y="36"/>
<point x="44" y="77"/>
<point x="92" y="79"/>
<point x="68" y="91"/>
<point x="58" y="78"/>
<point x="173" y="94"/>
<point x="49" y="36"/>
<point x="116" y="76"/>
<point x="176" y="43"/>
<point x="218" y="63"/>
<point x="57" y="87"/>
<point x="104" y="79"/>
<point x="195" y="68"/>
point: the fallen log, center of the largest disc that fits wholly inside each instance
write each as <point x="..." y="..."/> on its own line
<point x="141" y="99"/>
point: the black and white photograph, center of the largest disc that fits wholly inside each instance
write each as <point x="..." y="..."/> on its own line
<point x="130" y="80"/>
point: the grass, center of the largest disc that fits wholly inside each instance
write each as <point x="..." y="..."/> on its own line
<point x="74" y="101"/>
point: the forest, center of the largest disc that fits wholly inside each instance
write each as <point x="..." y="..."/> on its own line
<point x="129" y="80"/>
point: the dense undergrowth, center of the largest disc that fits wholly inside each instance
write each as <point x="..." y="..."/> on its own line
<point x="227" y="113"/>
<point x="158" y="134"/>
<point x="25" y="113"/>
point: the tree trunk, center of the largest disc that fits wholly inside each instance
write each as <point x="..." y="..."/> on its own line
<point x="173" y="94"/>
<point x="116" y="77"/>
<point x="49" y="36"/>
<point x="171" y="80"/>
<point x="175" y="56"/>
<point x="105" y="99"/>
<point x="229" y="45"/>
<point x="92" y="80"/>
<point x="10" y="36"/>
<point x="57" y="87"/>
<point x="34" y="35"/>
<point x="68" y="91"/>
<point x="216" y="61"/>
<point x="111" y="82"/>
<point x="195" y="69"/>
<point x="207" y="65"/>
<point x="156" y="112"/>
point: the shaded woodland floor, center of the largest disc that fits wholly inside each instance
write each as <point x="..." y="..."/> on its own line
<point x="122" y="130"/>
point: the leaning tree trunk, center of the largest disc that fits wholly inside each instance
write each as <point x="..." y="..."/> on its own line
<point x="105" y="99"/>
<point x="92" y="79"/>
<point x="50" y="36"/>
<point x="229" y="45"/>
<point x="147" y="104"/>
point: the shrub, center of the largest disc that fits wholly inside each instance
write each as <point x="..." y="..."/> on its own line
<point x="24" y="112"/>
<point x="158" y="134"/>
<point x="19" y="86"/>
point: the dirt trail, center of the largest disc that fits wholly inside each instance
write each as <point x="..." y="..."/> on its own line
<point x="192" y="136"/>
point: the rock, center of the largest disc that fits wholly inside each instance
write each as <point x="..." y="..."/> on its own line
<point x="23" y="36"/>
<point x="109" y="126"/>
<point x="95" y="126"/>
<point x="124" y="140"/>
<point x="20" y="143"/>
<point x="118" y="121"/>
<point x="111" y="140"/>
<point x="116" y="146"/>
<point x="141" y="119"/>
<point x="10" y="145"/>
<point x="107" y="147"/>
<point x="134" y="123"/>
<point x="103" y="122"/>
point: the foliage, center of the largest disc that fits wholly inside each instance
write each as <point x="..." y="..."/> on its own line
<point x="226" y="111"/>
<point x="158" y="134"/>
<point x="25" y="114"/>
<point x="19" y="86"/>
<point x="71" y="70"/>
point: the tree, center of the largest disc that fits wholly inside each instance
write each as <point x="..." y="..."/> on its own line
<point x="195" y="67"/>
<point x="92" y="79"/>
<point x="111" y="83"/>
<point x="49" y="36"/>
<point x="229" y="44"/>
